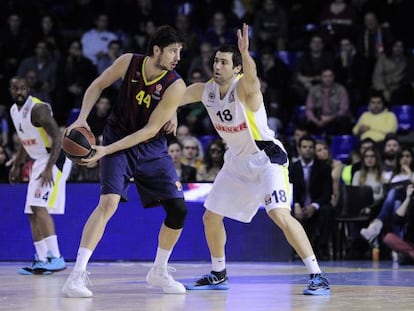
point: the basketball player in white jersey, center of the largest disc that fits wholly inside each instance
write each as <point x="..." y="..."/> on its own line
<point x="40" y="140"/>
<point x="255" y="172"/>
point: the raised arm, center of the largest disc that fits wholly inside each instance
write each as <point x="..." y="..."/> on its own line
<point x="193" y="94"/>
<point x="249" y="85"/>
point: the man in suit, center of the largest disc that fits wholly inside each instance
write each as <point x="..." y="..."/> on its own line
<point x="312" y="190"/>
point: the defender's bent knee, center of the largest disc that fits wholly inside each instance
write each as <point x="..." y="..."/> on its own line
<point x="281" y="216"/>
<point x="176" y="210"/>
<point x="211" y="219"/>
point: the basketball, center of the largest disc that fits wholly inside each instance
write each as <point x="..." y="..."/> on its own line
<point x="78" y="143"/>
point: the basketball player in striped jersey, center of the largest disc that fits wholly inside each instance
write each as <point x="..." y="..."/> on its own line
<point x="255" y="170"/>
<point x="40" y="139"/>
<point x="135" y="146"/>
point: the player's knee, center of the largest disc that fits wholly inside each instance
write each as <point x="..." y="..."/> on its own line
<point x="105" y="210"/>
<point x="211" y="220"/>
<point x="281" y="216"/>
<point x="176" y="210"/>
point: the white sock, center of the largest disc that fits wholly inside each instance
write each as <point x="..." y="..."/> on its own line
<point x="218" y="263"/>
<point x="52" y="245"/>
<point x="41" y="250"/>
<point x="162" y="257"/>
<point x="312" y="265"/>
<point x="82" y="259"/>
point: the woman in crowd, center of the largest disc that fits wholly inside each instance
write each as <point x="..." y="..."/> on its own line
<point x="213" y="161"/>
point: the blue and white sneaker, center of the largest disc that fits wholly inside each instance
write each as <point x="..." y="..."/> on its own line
<point x="56" y="264"/>
<point x="37" y="267"/>
<point x="53" y="264"/>
<point x="318" y="285"/>
<point x="25" y="271"/>
<point x="211" y="281"/>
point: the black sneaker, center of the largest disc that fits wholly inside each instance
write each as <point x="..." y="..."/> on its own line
<point x="212" y="281"/>
<point x="317" y="285"/>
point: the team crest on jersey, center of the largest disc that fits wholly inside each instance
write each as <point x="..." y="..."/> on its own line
<point x="157" y="92"/>
<point x="268" y="199"/>
<point x="179" y="186"/>
<point x="211" y="96"/>
<point x="37" y="193"/>
<point x="25" y="111"/>
<point x="231" y="97"/>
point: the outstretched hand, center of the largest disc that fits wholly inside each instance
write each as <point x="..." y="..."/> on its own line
<point x="243" y="38"/>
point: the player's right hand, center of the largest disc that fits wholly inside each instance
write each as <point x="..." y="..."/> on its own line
<point x="98" y="153"/>
<point x="243" y="38"/>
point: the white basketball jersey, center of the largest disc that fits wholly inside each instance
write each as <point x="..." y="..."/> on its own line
<point x="238" y="126"/>
<point x="34" y="139"/>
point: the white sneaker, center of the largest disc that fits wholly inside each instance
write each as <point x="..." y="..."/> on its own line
<point x="161" y="276"/>
<point x="75" y="285"/>
<point x="372" y="231"/>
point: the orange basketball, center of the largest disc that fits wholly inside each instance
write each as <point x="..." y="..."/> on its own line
<point x="78" y="143"/>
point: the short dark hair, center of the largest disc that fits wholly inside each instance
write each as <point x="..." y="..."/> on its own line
<point x="18" y="78"/>
<point x="377" y="94"/>
<point x="236" y="56"/>
<point x="367" y="140"/>
<point x="391" y="136"/>
<point x="307" y="138"/>
<point x="164" y="36"/>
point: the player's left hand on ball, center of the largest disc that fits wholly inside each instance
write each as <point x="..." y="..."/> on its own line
<point x="97" y="153"/>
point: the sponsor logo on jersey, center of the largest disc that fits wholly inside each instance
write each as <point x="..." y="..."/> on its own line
<point x="231" y="97"/>
<point x="28" y="142"/>
<point x="268" y="199"/>
<point x="137" y="77"/>
<point x="231" y="129"/>
<point x="25" y="112"/>
<point x="157" y="92"/>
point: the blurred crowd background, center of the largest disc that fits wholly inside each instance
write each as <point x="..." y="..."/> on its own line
<point x="314" y="58"/>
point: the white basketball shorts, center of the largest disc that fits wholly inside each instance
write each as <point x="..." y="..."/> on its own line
<point x="244" y="184"/>
<point x="51" y="197"/>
